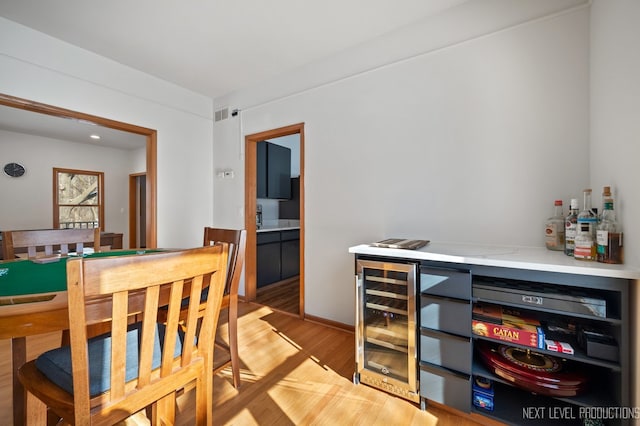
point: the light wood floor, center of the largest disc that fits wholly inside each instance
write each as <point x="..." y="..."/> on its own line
<point x="283" y="296"/>
<point x="293" y="373"/>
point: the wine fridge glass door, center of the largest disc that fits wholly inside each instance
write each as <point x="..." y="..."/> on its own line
<point x="387" y="321"/>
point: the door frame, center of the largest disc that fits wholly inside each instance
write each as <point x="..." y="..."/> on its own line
<point x="133" y="209"/>
<point x="151" y="148"/>
<point x="250" y="196"/>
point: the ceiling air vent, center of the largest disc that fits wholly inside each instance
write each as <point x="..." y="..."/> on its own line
<point x="222" y="114"/>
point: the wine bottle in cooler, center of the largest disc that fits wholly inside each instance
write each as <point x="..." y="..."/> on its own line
<point x="571" y="225"/>
<point x="585" y="242"/>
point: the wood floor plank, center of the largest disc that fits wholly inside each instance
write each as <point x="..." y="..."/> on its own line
<point x="293" y="372"/>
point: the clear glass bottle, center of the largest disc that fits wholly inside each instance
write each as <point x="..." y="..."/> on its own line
<point x="609" y="236"/>
<point x="554" y="228"/>
<point x="585" y="242"/>
<point x="606" y="193"/>
<point x="570" y="227"/>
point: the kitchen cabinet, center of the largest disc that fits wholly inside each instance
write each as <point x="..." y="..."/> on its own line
<point x="277" y="256"/>
<point x="273" y="171"/>
<point x="290" y="209"/>
<point x="290" y="254"/>
<point x="267" y="258"/>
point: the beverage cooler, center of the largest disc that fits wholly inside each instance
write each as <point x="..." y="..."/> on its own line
<point x="386" y="354"/>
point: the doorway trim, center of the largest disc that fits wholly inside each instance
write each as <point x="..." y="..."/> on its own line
<point x="133" y="210"/>
<point x="250" y="195"/>
<point x="151" y="148"/>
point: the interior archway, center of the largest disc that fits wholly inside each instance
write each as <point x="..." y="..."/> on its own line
<point x="151" y="149"/>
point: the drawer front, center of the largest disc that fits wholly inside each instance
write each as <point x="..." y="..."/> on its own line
<point x="267" y="237"/>
<point x="292" y="234"/>
<point x="446" y="350"/>
<point x="445" y="282"/>
<point x="445" y="387"/>
<point x="449" y="315"/>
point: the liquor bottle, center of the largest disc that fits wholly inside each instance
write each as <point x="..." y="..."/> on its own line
<point x="609" y="236"/>
<point x="571" y="224"/>
<point x="554" y="228"/>
<point x="585" y="242"/>
<point x="606" y="193"/>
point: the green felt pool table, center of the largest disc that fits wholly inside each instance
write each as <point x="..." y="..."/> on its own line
<point x="25" y="277"/>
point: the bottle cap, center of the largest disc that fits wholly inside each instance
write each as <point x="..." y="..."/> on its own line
<point x="606" y="191"/>
<point x="574" y="203"/>
<point x="558" y="202"/>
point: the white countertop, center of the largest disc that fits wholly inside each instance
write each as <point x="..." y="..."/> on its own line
<point x="279" y="225"/>
<point x="532" y="258"/>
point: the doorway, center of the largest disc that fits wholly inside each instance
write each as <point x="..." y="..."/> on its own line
<point x="251" y="148"/>
<point x="151" y="149"/>
<point x="138" y="210"/>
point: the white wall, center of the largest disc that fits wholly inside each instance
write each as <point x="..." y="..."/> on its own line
<point x="615" y="111"/>
<point x="470" y="141"/>
<point x="31" y="205"/>
<point x="40" y="68"/>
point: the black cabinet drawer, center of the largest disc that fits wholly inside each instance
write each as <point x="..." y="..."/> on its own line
<point x="445" y="282"/>
<point x="445" y="314"/>
<point x="267" y="237"/>
<point x="446" y="387"/>
<point x="446" y="350"/>
<point x="290" y="234"/>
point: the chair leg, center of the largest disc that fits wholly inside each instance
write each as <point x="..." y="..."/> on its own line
<point x="233" y="342"/>
<point x="38" y="413"/>
<point x="163" y="412"/>
<point x="19" y="357"/>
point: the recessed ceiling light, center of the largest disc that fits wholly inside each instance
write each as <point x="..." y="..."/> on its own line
<point x="96" y="137"/>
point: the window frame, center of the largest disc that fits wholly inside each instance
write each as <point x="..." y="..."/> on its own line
<point x="56" y="205"/>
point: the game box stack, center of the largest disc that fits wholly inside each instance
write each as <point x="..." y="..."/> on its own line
<point x="507" y="324"/>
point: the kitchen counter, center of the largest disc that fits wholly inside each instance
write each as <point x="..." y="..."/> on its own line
<point x="279" y="225"/>
<point x="531" y="258"/>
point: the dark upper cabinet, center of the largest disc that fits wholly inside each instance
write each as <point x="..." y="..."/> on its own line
<point x="290" y="209"/>
<point x="261" y="170"/>
<point x="273" y="171"/>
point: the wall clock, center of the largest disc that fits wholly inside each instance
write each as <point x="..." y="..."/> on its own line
<point x="14" y="169"/>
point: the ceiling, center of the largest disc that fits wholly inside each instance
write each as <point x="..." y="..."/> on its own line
<point x="33" y="123"/>
<point x="211" y="47"/>
<point x="215" y="47"/>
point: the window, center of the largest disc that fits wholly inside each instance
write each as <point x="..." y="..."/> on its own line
<point x="78" y="199"/>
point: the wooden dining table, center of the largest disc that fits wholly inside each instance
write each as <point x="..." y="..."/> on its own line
<point x="33" y="300"/>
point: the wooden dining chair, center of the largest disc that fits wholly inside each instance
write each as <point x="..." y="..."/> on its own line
<point x="105" y="379"/>
<point x="237" y="239"/>
<point x="33" y="243"/>
<point x="48" y="239"/>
